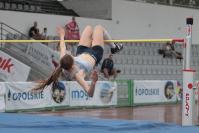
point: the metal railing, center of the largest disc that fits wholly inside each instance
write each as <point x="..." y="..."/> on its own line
<point x="18" y="50"/>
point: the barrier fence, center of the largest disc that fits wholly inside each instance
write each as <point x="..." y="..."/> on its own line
<point x="17" y="96"/>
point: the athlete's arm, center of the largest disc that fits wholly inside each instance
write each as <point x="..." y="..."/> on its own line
<point x="88" y="88"/>
<point x="62" y="45"/>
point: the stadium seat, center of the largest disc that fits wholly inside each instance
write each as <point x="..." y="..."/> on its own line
<point x="19" y="7"/>
<point x="1" y="5"/>
<point x="38" y="9"/>
<point x="13" y="6"/>
<point x="129" y="60"/>
<point x="32" y="8"/>
<point x="26" y="7"/>
<point x="7" y="5"/>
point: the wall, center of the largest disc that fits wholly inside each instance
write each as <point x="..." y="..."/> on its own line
<point x="130" y="20"/>
<point x="144" y="20"/>
<point x="23" y="21"/>
<point x="90" y="8"/>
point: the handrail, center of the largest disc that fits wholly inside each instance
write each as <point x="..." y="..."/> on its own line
<point x="1" y="31"/>
<point x="2" y="24"/>
<point x="6" y="30"/>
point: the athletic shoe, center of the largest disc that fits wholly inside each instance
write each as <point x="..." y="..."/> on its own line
<point x="118" y="48"/>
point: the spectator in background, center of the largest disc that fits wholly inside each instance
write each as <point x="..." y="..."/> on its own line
<point x="168" y="50"/>
<point x="44" y="33"/>
<point x="33" y="30"/>
<point x="108" y="69"/>
<point x="38" y="35"/>
<point x="72" y="33"/>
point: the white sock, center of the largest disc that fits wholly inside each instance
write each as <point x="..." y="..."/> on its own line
<point x="108" y="37"/>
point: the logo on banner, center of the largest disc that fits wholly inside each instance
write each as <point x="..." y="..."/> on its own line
<point x="5" y="64"/>
<point x="187" y="98"/>
<point x="146" y="91"/>
<point x="18" y="96"/>
<point x="9" y="95"/>
<point x="169" y="90"/>
<point x="58" y="92"/>
<point x="106" y="92"/>
<point x="79" y="94"/>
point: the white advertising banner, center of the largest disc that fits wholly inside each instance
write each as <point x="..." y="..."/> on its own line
<point x="2" y="99"/>
<point x="105" y="94"/>
<point x="19" y="96"/>
<point x="12" y="69"/>
<point x="42" y="55"/>
<point x="2" y="89"/>
<point x="2" y="104"/>
<point x="154" y="91"/>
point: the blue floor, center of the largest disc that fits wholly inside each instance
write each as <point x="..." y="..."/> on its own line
<point x="20" y="123"/>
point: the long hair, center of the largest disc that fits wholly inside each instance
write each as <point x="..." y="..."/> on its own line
<point x="66" y="63"/>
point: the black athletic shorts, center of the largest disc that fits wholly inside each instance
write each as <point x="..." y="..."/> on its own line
<point x="96" y="52"/>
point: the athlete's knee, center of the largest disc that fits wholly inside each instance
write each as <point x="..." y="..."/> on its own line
<point x="99" y="27"/>
<point x="89" y="28"/>
<point x="88" y="31"/>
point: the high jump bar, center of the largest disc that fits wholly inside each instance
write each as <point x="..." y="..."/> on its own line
<point x="76" y="41"/>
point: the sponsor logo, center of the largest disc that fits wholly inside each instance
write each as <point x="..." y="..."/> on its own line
<point x="146" y="91"/>
<point x="18" y="96"/>
<point x="187" y="104"/>
<point x="79" y="95"/>
<point x="106" y="93"/>
<point x="58" y="92"/>
<point x="5" y="64"/>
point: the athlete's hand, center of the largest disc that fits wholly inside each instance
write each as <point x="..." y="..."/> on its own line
<point x="94" y="76"/>
<point x="60" y="31"/>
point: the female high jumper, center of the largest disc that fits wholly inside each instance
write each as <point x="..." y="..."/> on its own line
<point x="89" y="53"/>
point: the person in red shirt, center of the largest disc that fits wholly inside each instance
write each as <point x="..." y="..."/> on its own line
<point x="72" y="33"/>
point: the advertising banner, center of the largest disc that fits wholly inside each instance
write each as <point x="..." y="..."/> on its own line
<point x="12" y="69"/>
<point x="19" y="96"/>
<point x="105" y="94"/>
<point x="154" y="91"/>
<point x="2" y="99"/>
<point x="2" y="104"/>
<point x="42" y="56"/>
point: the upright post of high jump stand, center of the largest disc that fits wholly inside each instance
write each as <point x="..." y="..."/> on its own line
<point x="188" y="96"/>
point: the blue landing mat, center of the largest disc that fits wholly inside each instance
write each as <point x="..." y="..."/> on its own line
<point x="23" y="123"/>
